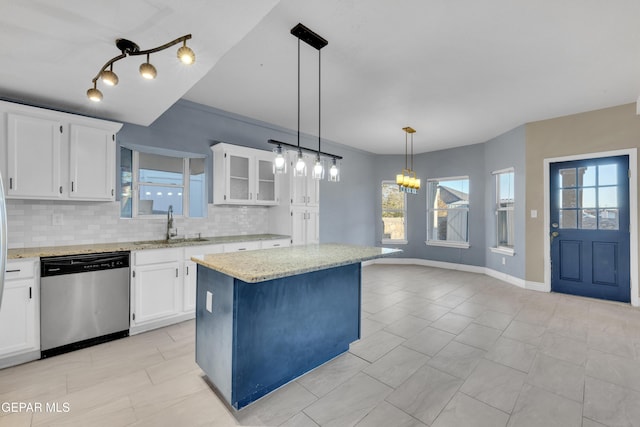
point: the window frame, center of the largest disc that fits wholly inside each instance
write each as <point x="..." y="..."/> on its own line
<point x="504" y="250"/>
<point x="431" y="210"/>
<point x="404" y="215"/>
<point x="185" y="186"/>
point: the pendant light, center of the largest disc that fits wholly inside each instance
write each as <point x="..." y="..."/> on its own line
<point x="407" y="180"/>
<point x="300" y="167"/>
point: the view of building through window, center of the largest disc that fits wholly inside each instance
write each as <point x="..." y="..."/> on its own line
<point x="393" y="213"/>
<point x="448" y="210"/>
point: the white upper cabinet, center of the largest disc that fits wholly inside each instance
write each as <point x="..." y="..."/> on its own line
<point x="92" y="163"/>
<point x="53" y="155"/>
<point x="33" y="157"/>
<point x="243" y="176"/>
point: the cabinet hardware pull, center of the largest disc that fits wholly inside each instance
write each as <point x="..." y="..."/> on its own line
<point x="72" y="190"/>
<point x="134" y="273"/>
<point x="133" y="316"/>
<point x="242" y="249"/>
<point x="10" y="183"/>
<point x="187" y="267"/>
<point x="12" y="271"/>
<point x="60" y="128"/>
<point x="113" y="137"/>
<point x="176" y="272"/>
<point x="112" y="191"/>
<point x="30" y="294"/>
<point x="61" y="189"/>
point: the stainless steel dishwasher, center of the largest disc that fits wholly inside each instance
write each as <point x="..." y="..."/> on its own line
<point x="84" y="300"/>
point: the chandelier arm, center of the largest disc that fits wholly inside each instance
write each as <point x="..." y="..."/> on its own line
<point x="163" y="47"/>
<point x="110" y="62"/>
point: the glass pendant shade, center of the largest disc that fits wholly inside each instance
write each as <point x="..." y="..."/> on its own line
<point x="318" y="169"/>
<point x="334" y="172"/>
<point x="301" y="166"/>
<point x="279" y="162"/>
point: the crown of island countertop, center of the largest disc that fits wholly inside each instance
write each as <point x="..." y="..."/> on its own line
<point x="262" y="265"/>
<point x="45" y="251"/>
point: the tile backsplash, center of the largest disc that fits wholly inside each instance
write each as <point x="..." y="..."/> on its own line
<point x="58" y="223"/>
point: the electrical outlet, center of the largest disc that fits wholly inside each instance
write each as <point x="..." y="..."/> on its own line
<point x="209" y="302"/>
<point x="504" y="261"/>
<point x="57" y="219"/>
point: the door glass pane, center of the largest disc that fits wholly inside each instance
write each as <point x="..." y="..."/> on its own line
<point x="567" y="178"/>
<point x="587" y="176"/>
<point x="607" y="174"/>
<point x="588" y="219"/>
<point x="568" y="198"/>
<point x="608" y="197"/>
<point x="239" y="188"/>
<point x="587" y="198"/>
<point x="568" y="218"/>
<point x="609" y="219"/>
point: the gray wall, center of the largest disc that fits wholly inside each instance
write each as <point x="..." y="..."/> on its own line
<point x="346" y="215"/>
<point x="505" y="151"/>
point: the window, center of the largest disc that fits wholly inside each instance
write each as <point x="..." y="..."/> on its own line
<point x="448" y="212"/>
<point x="505" y="198"/>
<point x="153" y="182"/>
<point x="394" y="213"/>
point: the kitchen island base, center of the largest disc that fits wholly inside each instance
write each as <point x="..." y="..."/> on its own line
<point x="252" y="338"/>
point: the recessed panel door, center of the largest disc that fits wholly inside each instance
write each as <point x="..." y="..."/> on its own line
<point x="590" y="228"/>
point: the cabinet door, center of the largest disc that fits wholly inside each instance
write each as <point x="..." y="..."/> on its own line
<point x="239" y="187"/>
<point x="313" y="226"/>
<point x="266" y="180"/>
<point x="18" y="318"/>
<point x="156" y="292"/>
<point x="190" y="285"/>
<point x="91" y="164"/>
<point x="298" y="226"/>
<point x="313" y="191"/>
<point x="33" y="157"/>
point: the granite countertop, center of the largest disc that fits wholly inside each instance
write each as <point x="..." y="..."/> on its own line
<point x="268" y="264"/>
<point x="38" y="252"/>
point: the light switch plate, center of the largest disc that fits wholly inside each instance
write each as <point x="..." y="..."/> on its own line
<point x="534" y="213"/>
<point x="209" y="302"/>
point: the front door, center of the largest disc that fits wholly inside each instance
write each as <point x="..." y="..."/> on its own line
<point x="590" y="228"/>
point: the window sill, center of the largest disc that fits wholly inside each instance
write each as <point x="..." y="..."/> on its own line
<point x="459" y="245"/>
<point x="394" y="242"/>
<point x="503" y="251"/>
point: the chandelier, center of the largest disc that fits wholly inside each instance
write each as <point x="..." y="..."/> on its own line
<point x="407" y="180"/>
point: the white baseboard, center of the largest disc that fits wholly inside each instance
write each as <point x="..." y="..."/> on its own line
<point x="516" y="281"/>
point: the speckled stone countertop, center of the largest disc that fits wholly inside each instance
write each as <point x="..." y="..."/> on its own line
<point x="39" y="252"/>
<point x="267" y="264"/>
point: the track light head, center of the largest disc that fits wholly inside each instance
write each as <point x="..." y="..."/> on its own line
<point x="148" y="71"/>
<point x="94" y="94"/>
<point x="186" y="55"/>
<point x="109" y="77"/>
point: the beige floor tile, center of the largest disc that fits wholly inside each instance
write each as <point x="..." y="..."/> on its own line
<point x="327" y="377"/>
<point x="463" y="410"/>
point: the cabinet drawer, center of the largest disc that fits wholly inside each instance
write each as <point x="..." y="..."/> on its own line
<point x="241" y="246"/>
<point x="202" y="250"/>
<point x="156" y="256"/>
<point x="278" y="243"/>
<point x="20" y="269"/>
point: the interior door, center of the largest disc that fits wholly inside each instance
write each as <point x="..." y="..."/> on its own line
<point x="590" y="228"/>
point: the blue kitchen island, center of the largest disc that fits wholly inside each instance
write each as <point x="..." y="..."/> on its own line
<point x="265" y="317"/>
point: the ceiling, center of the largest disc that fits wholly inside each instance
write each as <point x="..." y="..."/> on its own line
<point x="459" y="72"/>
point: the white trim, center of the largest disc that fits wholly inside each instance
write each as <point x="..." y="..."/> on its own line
<point x="447" y="244"/>
<point x="506" y="170"/>
<point x="458" y="267"/>
<point x="633" y="215"/>
<point x="448" y="178"/>
<point x="536" y="286"/>
<point x="503" y="251"/>
<point x="394" y="242"/>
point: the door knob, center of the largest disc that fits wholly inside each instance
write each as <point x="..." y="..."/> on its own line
<point x="554" y="225"/>
<point x="554" y="234"/>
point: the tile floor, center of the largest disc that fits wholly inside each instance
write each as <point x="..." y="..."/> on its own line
<point x="439" y="348"/>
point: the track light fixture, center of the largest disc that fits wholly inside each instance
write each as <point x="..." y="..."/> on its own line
<point x="147" y="70"/>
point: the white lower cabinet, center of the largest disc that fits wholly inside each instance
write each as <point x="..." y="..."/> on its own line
<point x="20" y="314"/>
<point x="305" y="225"/>
<point x="191" y="274"/>
<point x="156" y="291"/>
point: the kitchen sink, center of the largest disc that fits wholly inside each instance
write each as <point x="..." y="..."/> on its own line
<point x="177" y="241"/>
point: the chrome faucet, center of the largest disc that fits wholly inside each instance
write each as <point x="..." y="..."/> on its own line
<point x="170" y="223"/>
